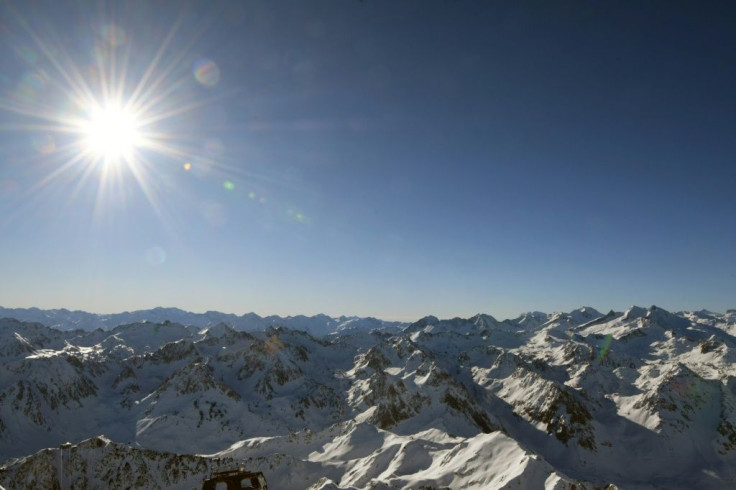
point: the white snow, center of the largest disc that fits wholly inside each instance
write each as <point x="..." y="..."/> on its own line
<point x="640" y="399"/>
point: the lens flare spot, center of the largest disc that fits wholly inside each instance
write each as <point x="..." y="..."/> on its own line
<point x="27" y="54"/>
<point x="214" y="213"/>
<point x="187" y="166"/>
<point x="604" y="348"/>
<point x="297" y="216"/>
<point x="156" y="255"/>
<point x="35" y="80"/>
<point x="9" y="187"/>
<point x="93" y="74"/>
<point x="213" y="147"/>
<point x="251" y="195"/>
<point x="45" y="144"/>
<point x="29" y="87"/>
<point x="113" y="34"/>
<point x="229" y="185"/>
<point x="206" y="72"/>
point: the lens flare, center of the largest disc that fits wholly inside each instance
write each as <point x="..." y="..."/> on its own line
<point x="214" y="213"/>
<point x="213" y="147"/>
<point x="604" y="348"/>
<point x="45" y="144"/>
<point x="206" y="72"/>
<point x="111" y="115"/>
<point x="27" y="54"/>
<point x="113" y="34"/>
<point x="9" y="187"/>
<point x="156" y="255"/>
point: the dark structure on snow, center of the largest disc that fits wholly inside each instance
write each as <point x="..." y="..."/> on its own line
<point x="236" y="480"/>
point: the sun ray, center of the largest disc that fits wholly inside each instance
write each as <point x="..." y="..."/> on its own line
<point x="124" y="73"/>
<point x="149" y="89"/>
<point x="161" y="116"/>
<point x="40" y="113"/>
<point x="153" y="64"/>
<point x="145" y="186"/>
<point x="119" y="125"/>
<point x="70" y="164"/>
<point x="79" y="88"/>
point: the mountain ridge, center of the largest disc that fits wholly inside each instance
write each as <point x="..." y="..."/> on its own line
<point x="549" y="400"/>
<point x="64" y="319"/>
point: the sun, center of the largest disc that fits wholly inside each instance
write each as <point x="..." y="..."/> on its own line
<point x="111" y="116"/>
<point x="111" y="133"/>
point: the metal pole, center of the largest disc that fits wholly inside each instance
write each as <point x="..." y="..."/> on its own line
<point x="66" y="445"/>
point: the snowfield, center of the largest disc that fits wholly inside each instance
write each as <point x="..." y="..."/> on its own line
<point x="641" y="399"/>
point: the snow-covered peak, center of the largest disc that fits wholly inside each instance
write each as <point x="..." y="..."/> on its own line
<point x="422" y="323"/>
<point x="216" y="331"/>
<point x="666" y="319"/>
<point x="584" y="314"/>
<point x="483" y="321"/>
<point x="147" y="337"/>
<point x="635" y="312"/>
<point x="551" y="401"/>
<point x="531" y="319"/>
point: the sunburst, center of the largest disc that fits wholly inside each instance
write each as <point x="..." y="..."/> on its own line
<point x="115" y="121"/>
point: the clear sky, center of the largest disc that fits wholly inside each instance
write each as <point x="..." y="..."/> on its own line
<point x="384" y="158"/>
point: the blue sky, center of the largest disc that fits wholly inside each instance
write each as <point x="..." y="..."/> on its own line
<point x="392" y="159"/>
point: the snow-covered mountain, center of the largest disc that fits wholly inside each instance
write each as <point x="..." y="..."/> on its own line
<point x="317" y="325"/>
<point x="638" y="399"/>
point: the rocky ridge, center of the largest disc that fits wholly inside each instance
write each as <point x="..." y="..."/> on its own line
<point x="638" y="399"/>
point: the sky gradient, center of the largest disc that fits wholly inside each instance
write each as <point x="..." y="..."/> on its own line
<point x="375" y="158"/>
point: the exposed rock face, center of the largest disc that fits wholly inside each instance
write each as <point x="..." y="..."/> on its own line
<point x="100" y="463"/>
<point x="584" y="397"/>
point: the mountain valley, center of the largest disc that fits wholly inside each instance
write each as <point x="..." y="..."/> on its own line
<point x="638" y="399"/>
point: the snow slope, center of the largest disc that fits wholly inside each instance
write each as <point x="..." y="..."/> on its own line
<point x="638" y="399"/>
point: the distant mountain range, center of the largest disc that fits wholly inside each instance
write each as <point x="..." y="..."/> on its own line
<point x="317" y="325"/>
<point x="641" y="399"/>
